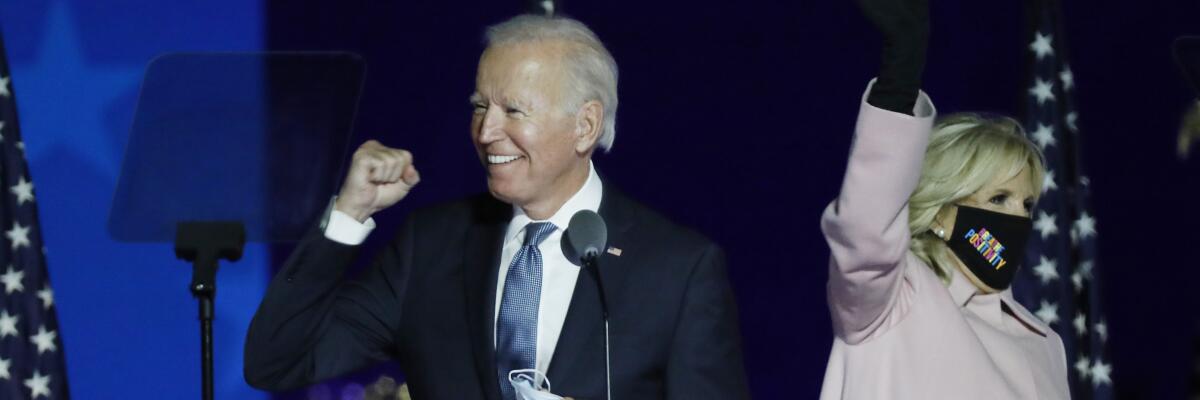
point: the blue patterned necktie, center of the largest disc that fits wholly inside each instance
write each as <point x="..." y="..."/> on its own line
<point x="516" y="327"/>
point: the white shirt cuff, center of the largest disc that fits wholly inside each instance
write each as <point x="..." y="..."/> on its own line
<point x="344" y="229"/>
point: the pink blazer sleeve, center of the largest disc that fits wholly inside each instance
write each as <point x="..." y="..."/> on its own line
<point x="867" y="225"/>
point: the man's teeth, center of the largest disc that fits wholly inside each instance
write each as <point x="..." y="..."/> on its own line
<point x="493" y="159"/>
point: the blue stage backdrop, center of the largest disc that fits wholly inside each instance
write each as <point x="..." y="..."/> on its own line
<point x="735" y="119"/>
<point x="128" y="322"/>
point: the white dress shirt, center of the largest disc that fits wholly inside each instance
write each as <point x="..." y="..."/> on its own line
<point x="558" y="274"/>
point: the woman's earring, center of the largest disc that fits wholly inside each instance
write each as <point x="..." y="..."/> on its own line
<point x="940" y="232"/>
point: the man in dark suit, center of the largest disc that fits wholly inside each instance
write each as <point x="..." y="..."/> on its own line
<point x="473" y="289"/>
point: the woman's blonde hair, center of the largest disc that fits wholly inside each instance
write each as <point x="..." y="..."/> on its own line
<point x="966" y="151"/>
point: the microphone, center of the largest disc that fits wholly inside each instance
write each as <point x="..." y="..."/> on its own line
<point x="583" y="242"/>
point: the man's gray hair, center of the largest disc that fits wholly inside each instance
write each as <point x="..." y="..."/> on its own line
<point x="591" y="70"/>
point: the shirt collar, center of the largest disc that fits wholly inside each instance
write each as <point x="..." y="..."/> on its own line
<point x="586" y="198"/>
<point x="991" y="307"/>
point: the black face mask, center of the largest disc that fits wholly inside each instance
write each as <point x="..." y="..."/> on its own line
<point x="990" y="244"/>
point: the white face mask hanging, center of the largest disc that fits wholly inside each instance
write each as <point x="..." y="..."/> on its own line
<point x="528" y="385"/>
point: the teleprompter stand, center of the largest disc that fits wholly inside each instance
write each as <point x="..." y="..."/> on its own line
<point x="233" y="148"/>
<point x="205" y="244"/>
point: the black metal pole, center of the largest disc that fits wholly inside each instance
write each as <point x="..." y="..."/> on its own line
<point x="205" y="244"/>
<point x="206" y="347"/>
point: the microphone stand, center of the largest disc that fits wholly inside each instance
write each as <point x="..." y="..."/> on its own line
<point x="591" y="263"/>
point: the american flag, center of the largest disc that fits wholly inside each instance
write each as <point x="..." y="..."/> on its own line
<point x="31" y="350"/>
<point x="1060" y="281"/>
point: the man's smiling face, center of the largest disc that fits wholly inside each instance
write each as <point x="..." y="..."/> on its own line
<point x="522" y="131"/>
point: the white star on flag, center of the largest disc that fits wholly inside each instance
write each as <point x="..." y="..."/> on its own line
<point x="1077" y="280"/>
<point x="1100" y="372"/>
<point x="1067" y="78"/>
<point x="1044" y="136"/>
<point x="1048" y="182"/>
<point x="1080" y="324"/>
<point x="18" y="235"/>
<point x="23" y="190"/>
<point x="1102" y="330"/>
<point x="1041" y="45"/>
<point x="1045" y="224"/>
<point x="1083" y="367"/>
<point x="4" y="365"/>
<point x="1084" y="227"/>
<point x="39" y="385"/>
<point x="1071" y="118"/>
<point x="47" y="296"/>
<point x="1085" y="268"/>
<point x="44" y="340"/>
<point x="1" y="131"/>
<point x="12" y="280"/>
<point x="1047" y="270"/>
<point x="4" y="86"/>
<point x="1048" y="312"/>
<point x="1043" y="90"/>
<point x="8" y="324"/>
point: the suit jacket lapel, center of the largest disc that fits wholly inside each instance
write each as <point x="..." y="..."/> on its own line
<point x="584" y="323"/>
<point x="484" y="242"/>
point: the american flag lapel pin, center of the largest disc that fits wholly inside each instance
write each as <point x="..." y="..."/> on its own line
<point x="614" y="251"/>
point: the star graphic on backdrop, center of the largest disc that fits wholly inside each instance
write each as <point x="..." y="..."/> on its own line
<point x="1077" y="281"/>
<point x="1048" y="312"/>
<point x="12" y="280"/>
<point x="4" y="366"/>
<point x="1100" y="372"/>
<point x="1041" y="45"/>
<point x="1046" y="270"/>
<point x="1080" y="323"/>
<point x="1" y="131"/>
<point x="23" y="190"/>
<point x="47" y="296"/>
<point x="8" y="324"/>
<point x="60" y="79"/>
<point x="39" y="385"/>
<point x="1045" y="224"/>
<point x="4" y="92"/>
<point x="1067" y="78"/>
<point x="1072" y="117"/>
<point x="44" y="340"/>
<point x="1043" y="90"/>
<point x="1044" y="136"/>
<point x="1048" y="182"/>
<point x="1083" y="367"/>
<point x="1102" y="330"/>
<point x="18" y="236"/>
<point x="1084" y="227"/>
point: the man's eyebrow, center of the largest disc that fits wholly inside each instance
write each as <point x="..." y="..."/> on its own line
<point x="517" y="102"/>
<point x="476" y="98"/>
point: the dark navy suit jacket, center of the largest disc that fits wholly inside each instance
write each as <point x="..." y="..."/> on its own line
<point x="429" y="301"/>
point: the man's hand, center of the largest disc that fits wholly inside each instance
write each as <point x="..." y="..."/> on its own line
<point x="379" y="177"/>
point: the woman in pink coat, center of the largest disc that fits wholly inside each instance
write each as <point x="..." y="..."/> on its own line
<point x="926" y="236"/>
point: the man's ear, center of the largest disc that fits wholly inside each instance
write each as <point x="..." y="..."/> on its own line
<point x="589" y="124"/>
